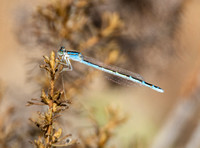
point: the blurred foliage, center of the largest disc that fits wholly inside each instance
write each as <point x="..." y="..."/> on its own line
<point x="8" y="130"/>
<point x="100" y="135"/>
<point x="79" y="25"/>
<point x="9" y="137"/>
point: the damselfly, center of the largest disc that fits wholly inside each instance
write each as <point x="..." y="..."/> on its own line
<point x="65" y="57"/>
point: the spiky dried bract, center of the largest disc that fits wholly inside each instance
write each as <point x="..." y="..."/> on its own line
<point x="55" y="102"/>
<point x="57" y="135"/>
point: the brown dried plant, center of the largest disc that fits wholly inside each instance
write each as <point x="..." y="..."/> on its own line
<point x="102" y="133"/>
<point x="46" y="121"/>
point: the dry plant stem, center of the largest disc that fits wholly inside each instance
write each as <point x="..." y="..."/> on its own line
<point x="56" y="104"/>
<point x="49" y="132"/>
<point x="50" y="111"/>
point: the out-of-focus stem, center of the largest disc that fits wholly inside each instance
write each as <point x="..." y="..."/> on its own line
<point x="177" y="121"/>
<point x="194" y="141"/>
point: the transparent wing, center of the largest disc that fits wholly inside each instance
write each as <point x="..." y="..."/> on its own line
<point x="114" y="78"/>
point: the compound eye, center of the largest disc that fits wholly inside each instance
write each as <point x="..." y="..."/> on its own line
<point x="62" y="49"/>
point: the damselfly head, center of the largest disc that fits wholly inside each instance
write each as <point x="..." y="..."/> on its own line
<point x="61" y="51"/>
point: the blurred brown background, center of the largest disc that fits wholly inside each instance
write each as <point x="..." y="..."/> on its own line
<point x="161" y="42"/>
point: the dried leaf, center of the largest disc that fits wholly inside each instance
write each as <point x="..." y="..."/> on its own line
<point x="44" y="97"/>
<point x="55" y="107"/>
<point x="52" y="61"/>
<point x="46" y="59"/>
<point x="57" y="95"/>
<point x="57" y="134"/>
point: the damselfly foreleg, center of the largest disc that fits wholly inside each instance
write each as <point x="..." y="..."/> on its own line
<point x="67" y="65"/>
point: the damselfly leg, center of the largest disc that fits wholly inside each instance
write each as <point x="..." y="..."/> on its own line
<point x="67" y="65"/>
